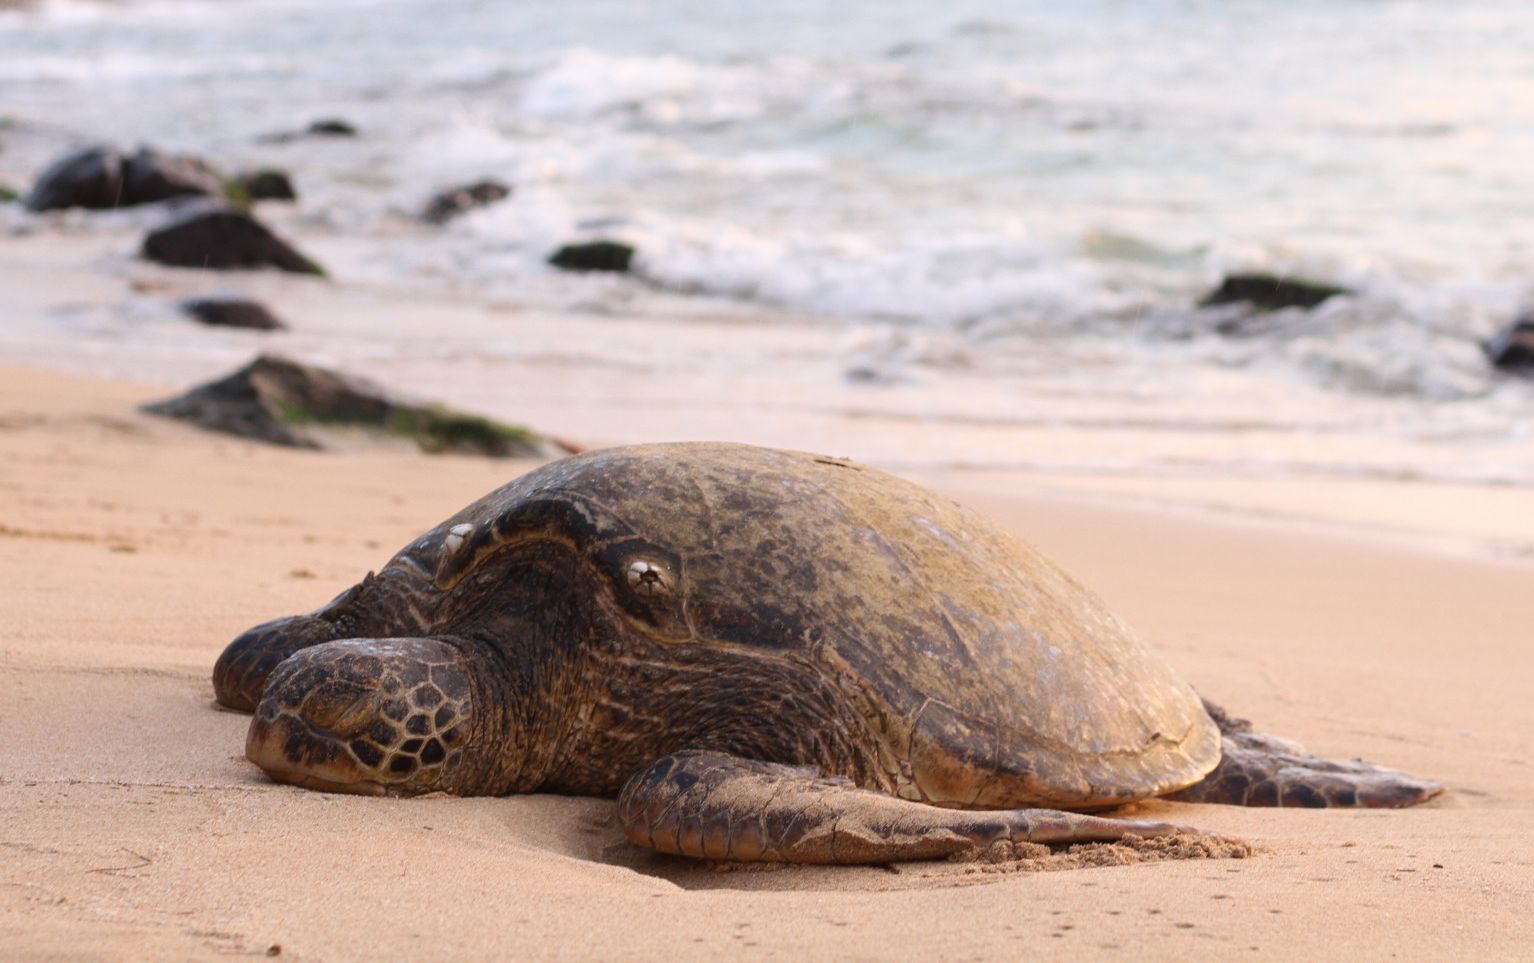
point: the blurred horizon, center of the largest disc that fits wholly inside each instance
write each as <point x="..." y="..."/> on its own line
<point x="987" y="203"/>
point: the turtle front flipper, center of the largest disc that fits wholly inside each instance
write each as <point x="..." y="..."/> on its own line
<point x="1260" y="770"/>
<point x="382" y="716"/>
<point x="718" y="806"/>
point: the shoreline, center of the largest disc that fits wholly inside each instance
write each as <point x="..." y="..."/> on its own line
<point x="1224" y="345"/>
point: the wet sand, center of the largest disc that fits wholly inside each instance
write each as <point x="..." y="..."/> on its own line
<point x="133" y="549"/>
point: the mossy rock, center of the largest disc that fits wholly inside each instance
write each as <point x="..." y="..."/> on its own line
<point x="266" y="184"/>
<point x="439" y="429"/>
<point x="236" y="194"/>
<point x="284" y="402"/>
<point x="8" y="195"/>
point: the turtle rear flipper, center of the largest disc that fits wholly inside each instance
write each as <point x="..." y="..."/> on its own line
<point x="1261" y="770"/>
<point x="717" y="806"/>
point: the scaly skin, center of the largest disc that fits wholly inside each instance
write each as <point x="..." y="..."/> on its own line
<point x="364" y="715"/>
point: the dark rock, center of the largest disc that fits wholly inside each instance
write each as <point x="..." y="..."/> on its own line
<point x="149" y="176"/>
<point x="101" y="178"/>
<point x="460" y="200"/>
<point x="332" y="127"/>
<point x="223" y="239"/>
<point x="248" y="403"/>
<point x="91" y="178"/>
<point x="283" y="402"/>
<point x="594" y="256"/>
<point x="267" y="184"/>
<point x="1512" y="348"/>
<point x="1270" y="292"/>
<point x="233" y="313"/>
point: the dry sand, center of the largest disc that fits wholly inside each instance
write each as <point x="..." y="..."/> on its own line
<point x="133" y="549"/>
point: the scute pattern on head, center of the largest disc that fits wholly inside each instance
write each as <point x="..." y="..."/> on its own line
<point x="354" y="707"/>
<point x="963" y="650"/>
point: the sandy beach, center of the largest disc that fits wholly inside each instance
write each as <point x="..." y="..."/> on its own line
<point x="988" y="246"/>
<point x="135" y="548"/>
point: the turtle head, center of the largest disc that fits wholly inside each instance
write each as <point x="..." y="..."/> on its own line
<point x="374" y="716"/>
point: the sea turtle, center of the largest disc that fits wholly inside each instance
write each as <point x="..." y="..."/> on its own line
<point x="767" y="655"/>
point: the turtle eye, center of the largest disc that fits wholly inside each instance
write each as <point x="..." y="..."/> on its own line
<point x="649" y="586"/>
<point x="647" y="578"/>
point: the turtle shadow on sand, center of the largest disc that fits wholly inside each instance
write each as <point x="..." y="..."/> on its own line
<point x="766" y="656"/>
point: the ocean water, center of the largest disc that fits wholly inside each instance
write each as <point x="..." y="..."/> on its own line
<point x="978" y="195"/>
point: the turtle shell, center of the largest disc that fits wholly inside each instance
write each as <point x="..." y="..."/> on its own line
<point x="989" y="677"/>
